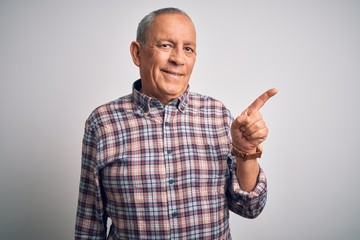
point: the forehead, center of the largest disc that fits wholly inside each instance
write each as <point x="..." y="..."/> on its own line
<point x="176" y="26"/>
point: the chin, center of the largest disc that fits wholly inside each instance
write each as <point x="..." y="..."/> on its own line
<point x="175" y="92"/>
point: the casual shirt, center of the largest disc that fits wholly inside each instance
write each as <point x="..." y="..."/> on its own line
<point x="161" y="172"/>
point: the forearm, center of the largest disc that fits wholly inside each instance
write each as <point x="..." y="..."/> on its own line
<point x="250" y="203"/>
<point x="247" y="173"/>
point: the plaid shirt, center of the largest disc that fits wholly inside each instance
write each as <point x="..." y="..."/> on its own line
<point x="161" y="172"/>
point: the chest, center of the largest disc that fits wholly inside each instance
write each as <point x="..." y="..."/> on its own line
<point x="148" y="151"/>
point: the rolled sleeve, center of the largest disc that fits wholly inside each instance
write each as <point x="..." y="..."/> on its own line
<point x="243" y="203"/>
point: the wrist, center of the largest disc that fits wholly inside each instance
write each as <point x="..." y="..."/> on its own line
<point x="248" y="154"/>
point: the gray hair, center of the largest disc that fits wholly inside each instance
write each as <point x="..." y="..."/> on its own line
<point x="148" y="19"/>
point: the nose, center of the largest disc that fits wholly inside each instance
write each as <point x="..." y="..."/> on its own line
<point x="177" y="56"/>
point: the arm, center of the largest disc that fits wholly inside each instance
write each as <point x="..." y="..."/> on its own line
<point x="248" y="131"/>
<point x="248" y="188"/>
<point x="90" y="217"/>
<point x="247" y="173"/>
<point x="248" y="204"/>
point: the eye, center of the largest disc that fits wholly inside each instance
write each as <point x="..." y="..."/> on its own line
<point x="165" y="45"/>
<point x="189" y="49"/>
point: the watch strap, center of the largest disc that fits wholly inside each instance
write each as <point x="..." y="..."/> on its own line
<point x="246" y="156"/>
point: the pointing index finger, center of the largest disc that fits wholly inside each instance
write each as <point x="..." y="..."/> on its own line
<point x="261" y="100"/>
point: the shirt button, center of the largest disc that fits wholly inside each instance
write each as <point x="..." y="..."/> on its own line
<point x="172" y="181"/>
<point x="169" y="151"/>
<point x="174" y="214"/>
<point x="167" y="124"/>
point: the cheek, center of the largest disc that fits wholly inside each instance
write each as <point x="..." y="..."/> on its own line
<point x="191" y="64"/>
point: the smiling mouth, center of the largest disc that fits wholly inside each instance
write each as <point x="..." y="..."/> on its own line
<point x="172" y="73"/>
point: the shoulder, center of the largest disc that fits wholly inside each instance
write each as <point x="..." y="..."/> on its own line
<point x="203" y="102"/>
<point x="107" y="112"/>
<point x="212" y="110"/>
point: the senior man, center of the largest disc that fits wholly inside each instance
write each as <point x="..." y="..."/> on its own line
<point x="164" y="162"/>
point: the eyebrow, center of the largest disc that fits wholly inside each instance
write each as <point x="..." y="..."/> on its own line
<point x="174" y="42"/>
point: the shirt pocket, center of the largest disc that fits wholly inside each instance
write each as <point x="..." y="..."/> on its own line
<point x="115" y="179"/>
<point x="206" y="185"/>
<point x="125" y="182"/>
<point x="208" y="161"/>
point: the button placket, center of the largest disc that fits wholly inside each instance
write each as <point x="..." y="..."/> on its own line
<point x="174" y="214"/>
<point x="169" y="162"/>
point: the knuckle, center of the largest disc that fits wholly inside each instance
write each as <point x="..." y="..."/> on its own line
<point x="263" y="132"/>
<point x="257" y="125"/>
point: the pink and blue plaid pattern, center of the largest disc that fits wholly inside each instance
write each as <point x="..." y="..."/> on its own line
<point x="161" y="172"/>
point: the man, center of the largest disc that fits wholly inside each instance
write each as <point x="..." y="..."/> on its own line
<point x="163" y="162"/>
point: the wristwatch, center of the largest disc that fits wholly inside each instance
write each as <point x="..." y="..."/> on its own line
<point x="246" y="156"/>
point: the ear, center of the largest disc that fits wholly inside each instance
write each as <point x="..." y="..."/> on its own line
<point x="135" y="52"/>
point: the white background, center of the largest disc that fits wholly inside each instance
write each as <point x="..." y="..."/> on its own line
<point x="61" y="59"/>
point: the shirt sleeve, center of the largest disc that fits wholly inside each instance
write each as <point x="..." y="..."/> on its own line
<point x="90" y="216"/>
<point x="246" y="204"/>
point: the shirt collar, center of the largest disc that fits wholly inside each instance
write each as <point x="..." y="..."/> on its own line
<point x="143" y="101"/>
